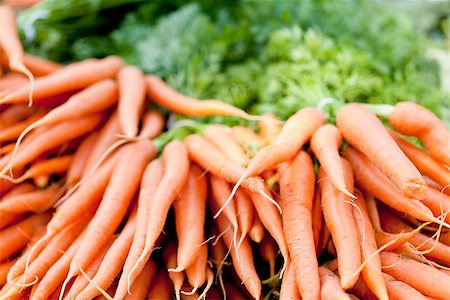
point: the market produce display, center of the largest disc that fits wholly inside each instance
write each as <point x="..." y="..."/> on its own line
<point x="200" y="164"/>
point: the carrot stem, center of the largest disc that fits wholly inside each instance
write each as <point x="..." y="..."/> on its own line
<point x="381" y="110"/>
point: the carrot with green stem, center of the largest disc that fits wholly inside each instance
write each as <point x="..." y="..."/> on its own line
<point x="69" y="78"/>
<point x="150" y="181"/>
<point x="297" y="195"/>
<point x="189" y="210"/>
<point x="10" y="44"/>
<point x="325" y="143"/>
<point x="338" y="212"/>
<point x="197" y="272"/>
<point x="143" y="282"/>
<point x="176" y="170"/>
<point x="132" y="90"/>
<point x="297" y="130"/>
<point x="170" y="260"/>
<point x="371" y="137"/>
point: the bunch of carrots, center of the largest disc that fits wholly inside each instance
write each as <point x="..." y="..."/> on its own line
<point x="98" y="200"/>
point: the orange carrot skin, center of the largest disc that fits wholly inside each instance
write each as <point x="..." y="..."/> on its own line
<point x="9" y="38"/>
<point x="361" y="129"/>
<point x="11" y="133"/>
<point x="80" y="158"/>
<point x="297" y="193"/>
<point x="400" y="290"/>
<point x="341" y="224"/>
<point x="425" y="163"/>
<point x="40" y="66"/>
<point x="412" y="119"/>
<point x="330" y="287"/>
<point x="256" y="232"/>
<point x="289" y="288"/>
<point x="196" y="273"/>
<point x="244" y="211"/>
<point x="170" y="260"/>
<point x="36" y="201"/>
<point x="4" y="268"/>
<point x="15" y="113"/>
<point x="372" y="180"/>
<point x="189" y="211"/>
<point x="143" y="282"/>
<point x="152" y="124"/>
<point x="317" y="219"/>
<point x="434" y="200"/>
<point x="269" y="128"/>
<point x="161" y="287"/>
<point x="422" y="277"/>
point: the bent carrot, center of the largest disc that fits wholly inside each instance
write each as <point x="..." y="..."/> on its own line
<point x="330" y="288"/>
<point x="361" y="129"/>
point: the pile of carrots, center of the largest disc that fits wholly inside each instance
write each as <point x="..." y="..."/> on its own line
<point x="97" y="202"/>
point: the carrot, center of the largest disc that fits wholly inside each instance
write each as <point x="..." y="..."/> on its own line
<point x="361" y="129"/>
<point x="325" y="144"/>
<point x="150" y="181"/>
<point x="400" y="290"/>
<point x="10" y="43"/>
<point x="371" y="272"/>
<point x="297" y="194"/>
<point x="329" y="286"/>
<point x="422" y="277"/>
<point x="256" y="232"/>
<point x="143" y="281"/>
<point x="4" y="268"/>
<point x="176" y="170"/>
<point x="425" y="163"/>
<point x="15" y="113"/>
<point x="341" y="224"/>
<point x="79" y="160"/>
<point x="297" y="130"/>
<point x="433" y="184"/>
<point x="362" y="291"/>
<point x="411" y="119"/>
<point x="170" y="259"/>
<point x="37" y="201"/>
<point x="373" y="181"/>
<point x="189" y="210"/>
<point x="40" y="66"/>
<point x="196" y="273"/>
<point x="233" y="292"/>
<point x="437" y="202"/>
<point x="161" y="287"/>
<point x="250" y="141"/>
<point x="72" y="77"/>
<point x="12" y="132"/>
<point x="222" y="138"/>
<point x="15" y="237"/>
<point x="289" y="289"/>
<point x="269" y="128"/>
<point x="112" y="262"/>
<point x="10" y="82"/>
<point x="152" y="124"/>
<point x="244" y="212"/>
<point x="317" y="219"/>
<point x="268" y="251"/>
<point x="6" y="149"/>
<point x="162" y="94"/>
<point x="5" y="186"/>
<point x="122" y="186"/>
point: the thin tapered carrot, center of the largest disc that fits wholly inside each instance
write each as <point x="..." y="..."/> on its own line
<point x="176" y="170"/>
<point x="150" y="181"/>
<point x="411" y="119"/>
<point x="11" y="133"/>
<point x="196" y="272"/>
<point x="325" y="144"/>
<point x="161" y="288"/>
<point x="80" y="157"/>
<point x="164" y="95"/>
<point x="289" y="289"/>
<point x="55" y="136"/>
<point x="15" y="237"/>
<point x="37" y="201"/>
<point x="297" y="130"/>
<point x="40" y="66"/>
<point x="132" y="89"/>
<point x="373" y="181"/>
<point x="189" y="210"/>
<point x="4" y="268"/>
<point x="424" y="162"/>
<point x="329" y="286"/>
<point x="244" y="212"/>
<point x="422" y="277"/>
<point x="143" y="281"/>
<point x="11" y="46"/>
<point x="71" y="77"/>
<point x="222" y="138"/>
<point x="268" y="251"/>
<point x="269" y="128"/>
<point x="317" y="219"/>
<point x="362" y="129"/>
<point x="121" y="188"/>
<point x="338" y="214"/>
<point x="297" y="194"/>
<point x="256" y="232"/>
<point x="113" y="261"/>
<point x="371" y="272"/>
<point x="152" y="124"/>
<point x="15" y="113"/>
<point x="170" y="260"/>
<point x="400" y="290"/>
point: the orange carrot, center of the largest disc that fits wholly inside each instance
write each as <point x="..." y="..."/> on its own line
<point x="152" y="124"/>
<point x="40" y="66"/>
<point x="256" y="232"/>
<point x="7" y="149"/>
<point x="161" y="287"/>
<point x="411" y="119"/>
<point x="176" y="170"/>
<point x="289" y="288"/>
<point x="4" y="268"/>
<point x="330" y="288"/>
<point x="341" y="224"/>
<point x="433" y="184"/>
<point x="11" y="81"/>
<point x="371" y="272"/>
<point x="400" y="290"/>
<point x="268" y="251"/>
<point x="361" y="129"/>
<point x="80" y="157"/>
<point x="425" y="279"/>
<point x="47" y="167"/>
<point x="143" y="282"/>
<point x="269" y="128"/>
<point x="132" y="89"/>
<point x="325" y="144"/>
<point x="250" y="141"/>
<point x="162" y="94"/>
<point x="222" y="138"/>
<point x="317" y="219"/>
<point x="297" y="194"/>
<point x="196" y="273"/>
<point x="150" y="181"/>
<point x="170" y="259"/>
<point x="72" y="77"/>
<point x="15" y="113"/>
<point x="437" y="202"/>
<point x="37" y="201"/>
<point x="244" y="212"/>
<point x="12" y="132"/>
<point x="189" y="211"/>
<point x="373" y="181"/>
<point x="425" y="163"/>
